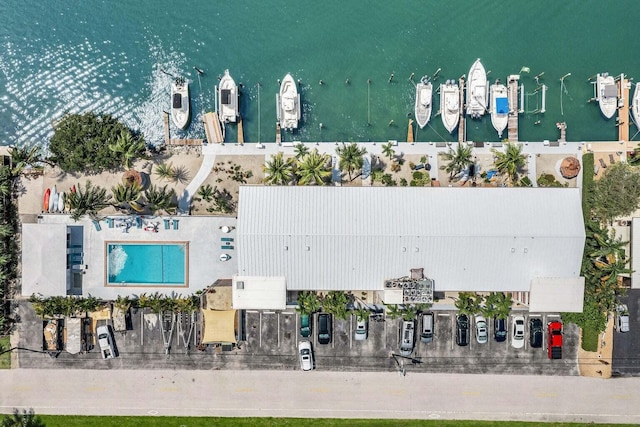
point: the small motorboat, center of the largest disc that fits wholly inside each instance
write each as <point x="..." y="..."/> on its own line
<point x="635" y="106"/>
<point x="180" y="110"/>
<point x="606" y="94"/>
<point x="499" y="107"/>
<point x="450" y="105"/>
<point x="288" y="107"/>
<point x="227" y="99"/>
<point x="422" y="109"/>
<point x="477" y="88"/>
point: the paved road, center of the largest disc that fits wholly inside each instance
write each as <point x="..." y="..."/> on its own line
<point x="626" y="347"/>
<point x="321" y="394"/>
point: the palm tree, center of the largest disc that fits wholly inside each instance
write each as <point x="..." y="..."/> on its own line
<point x="165" y="171"/>
<point x="313" y="169"/>
<point x="278" y="171"/>
<point x="458" y="159"/>
<point x="128" y="148"/>
<point x="361" y="313"/>
<point x="393" y="311"/>
<point x="608" y="244"/>
<point x="127" y="197"/>
<point x="468" y="303"/>
<point x="351" y="158"/>
<point x="497" y="304"/>
<point x="335" y="302"/>
<point x="206" y="192"/>
<point x="159" y="199"/>
<point x="387" y="150"/>
<point x="301" y="150"/>
<point x="308" y="302"/>
<point x="511" y="162"/>
<point x="22" y="418"/>
<point x="88" y="201"/>
<point x="24" y="156"/>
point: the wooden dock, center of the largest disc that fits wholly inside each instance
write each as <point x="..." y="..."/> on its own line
<point x="215" y="134"/>
<point x="623" y="108"/>
<point x="512" y="95"/>
<point x="173" y="141"/>
<point x="278" y="133"/>
<point x="240" y="132"/>
<point x="462" y="136"/>
<point x="410" y="132"/>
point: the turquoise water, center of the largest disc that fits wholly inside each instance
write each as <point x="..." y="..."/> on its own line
<point x="146" y="264"/>
<point x="109" y="56"/>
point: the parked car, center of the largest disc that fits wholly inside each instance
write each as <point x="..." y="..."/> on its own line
<point x="305" y="325"/>
<point x="499" y="329"/>
<point x="407" y="337"/>
<point x="306" y="355"/>
<point x="554" y="340"/>
<point x="462" y="330"/>
<point x="535" y="332"/>
<point x="426" y="335"/>
<point x="622" y="318"/>
<point x="324" y="328"/>
<point x="482" y="333"/>
<point x="517" y="340"/>
<point x="361" y="329"/>
<point x="106" y="342"/>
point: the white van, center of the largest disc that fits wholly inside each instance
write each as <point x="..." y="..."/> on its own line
<point x="427" y="328"/>
<point x="407" y="331"/>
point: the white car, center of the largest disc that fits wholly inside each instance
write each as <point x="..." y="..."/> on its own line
<point x="105" y="341"/>
<point x="361" y="330"/>
<point x="622" y="318"/>
<point x="306" y="355"/>
<point x="517" y="340"/>
<point x="482" y="332"/>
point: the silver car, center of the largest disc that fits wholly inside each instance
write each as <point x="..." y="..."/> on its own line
<point x="517" y="340"/>
<point x="361" y="330"/>
<point x="482" y="332"/>
<point x="622" y="318"/>
<point x="306" y="355"/>
<point x="407" y="337"/>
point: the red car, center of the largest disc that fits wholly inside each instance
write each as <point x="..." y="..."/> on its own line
<point x="554" y="344"/>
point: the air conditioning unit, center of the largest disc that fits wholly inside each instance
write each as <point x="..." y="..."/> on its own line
<point x="240" y="284"/>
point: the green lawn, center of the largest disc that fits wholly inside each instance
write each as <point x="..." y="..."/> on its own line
<point x="5" y="359"/>
<point x="72" y="421"/>
<point x="590" y="339"/>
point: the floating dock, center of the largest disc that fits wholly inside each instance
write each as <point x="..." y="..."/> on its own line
<point x="512" y="95"/>
<point x="623" y="108"/>
<point x="462" y="135"/>
<point x="410" y="132"/>
<point x="240" y="132"/>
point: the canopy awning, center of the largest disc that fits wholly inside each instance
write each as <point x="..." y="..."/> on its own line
<point x="219" y="326"/>
<point x="557" y="294"/>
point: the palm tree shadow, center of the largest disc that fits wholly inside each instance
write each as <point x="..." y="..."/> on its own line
<point x="181" y="175"/>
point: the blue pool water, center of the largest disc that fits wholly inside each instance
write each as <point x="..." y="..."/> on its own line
<point x="148" y="264"/>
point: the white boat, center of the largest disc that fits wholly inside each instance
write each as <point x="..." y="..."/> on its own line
<point x="422" y="109"/>
<point x="288" y="104"/>
<point x="477" y="88"/>
<point x="635" y="106"/>
<point x="499" y="107"/>
<point x="450" y="105"/>
<point x="606" y="94"/>
<point x="180" y="111"/>
<point x="227" y="99"/>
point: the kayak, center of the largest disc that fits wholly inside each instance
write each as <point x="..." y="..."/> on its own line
<point x="45" y="205"/>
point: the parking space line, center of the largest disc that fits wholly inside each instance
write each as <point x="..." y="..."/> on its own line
<point x="252" y="311"/>
<point x="260" y="334"/>
<point x="287" y="312"/>
<point x="443" y="314"/>
<point x="278" y="329"/>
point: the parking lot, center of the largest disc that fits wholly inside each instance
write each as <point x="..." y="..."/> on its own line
<point x="272" y="341"/>
<point x="626" y="346"/>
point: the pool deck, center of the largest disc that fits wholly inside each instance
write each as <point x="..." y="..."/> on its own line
<point x="203" y="233"/>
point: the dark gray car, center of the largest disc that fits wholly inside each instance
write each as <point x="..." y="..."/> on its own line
<point x="324" y="328"/>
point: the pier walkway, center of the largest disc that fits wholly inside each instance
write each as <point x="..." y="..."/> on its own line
<point x="174" y="141"/>
<point x="512" y="126"/>
<point x="462" y="135"/>
<point x="623" y="108"/>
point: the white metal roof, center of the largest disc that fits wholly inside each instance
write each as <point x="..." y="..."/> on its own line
<point x="259" y="293"/>
<point x="352" y="238"/>
<point x="44" y="259"/>
<point x="556" y="294"/>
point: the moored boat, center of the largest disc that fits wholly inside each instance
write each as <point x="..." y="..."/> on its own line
<point x="288" y="104"/>
<point x="450" y="105"/>
<point x="477" y="88"/>
<point x="499" y="107"/>
<point x="422" y="109"/>
<point x="227" y="99"/>
<point x="606" y="94"/>
<point x="180" y="110"/>
<point x="635" y="106"/>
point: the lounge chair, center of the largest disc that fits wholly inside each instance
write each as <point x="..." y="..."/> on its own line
<point x="226" y="239"/>
<point x="138" y="222"/>
<point x="109" y="222"/>
<point x="611" y="159"/>
<point x="96" y="224"/>
<point x="603" y="164"/>
<point x="175" y="224"/>
<point x="226" y="247"/>
<point x="167" y="221"/>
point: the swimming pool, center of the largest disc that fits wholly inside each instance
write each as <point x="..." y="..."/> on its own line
<point x="147" y="264"/>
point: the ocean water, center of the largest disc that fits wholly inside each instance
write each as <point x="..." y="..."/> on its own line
<point x="117" y="57"/>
